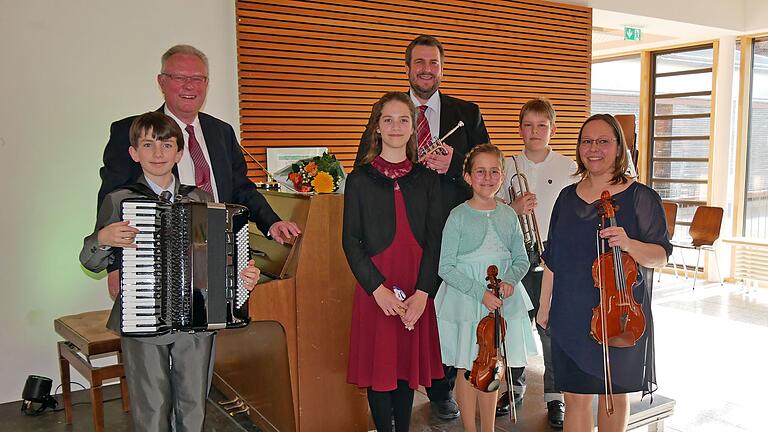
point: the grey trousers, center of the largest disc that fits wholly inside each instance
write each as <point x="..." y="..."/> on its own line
<point x="168" y="384"/>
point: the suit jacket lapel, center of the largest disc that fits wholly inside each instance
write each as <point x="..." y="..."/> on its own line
<point x="175" y="166"/>
<point x="449" y="117"/>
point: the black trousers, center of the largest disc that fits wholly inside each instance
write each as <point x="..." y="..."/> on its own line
<point x="532" y="283"/>
<point x="397" y="403"/>
<point x="442" y="389"/>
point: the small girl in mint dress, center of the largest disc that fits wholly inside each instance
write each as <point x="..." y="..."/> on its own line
<point x="478" y="233"/>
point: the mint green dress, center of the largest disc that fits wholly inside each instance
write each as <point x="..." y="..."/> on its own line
<point x="467" y="251"/>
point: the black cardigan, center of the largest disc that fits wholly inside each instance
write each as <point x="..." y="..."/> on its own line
<point x="369" y="222"/>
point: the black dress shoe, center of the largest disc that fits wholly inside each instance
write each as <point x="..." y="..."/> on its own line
<point x="502" y="406"/>
<point x="446" y="410"/>
<point x="556" y="414"/>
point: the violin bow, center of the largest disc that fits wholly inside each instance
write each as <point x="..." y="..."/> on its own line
<point x="510" y="391"/>
<point x="607" y="380"/>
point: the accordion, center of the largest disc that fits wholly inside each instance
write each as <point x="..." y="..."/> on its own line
<point x="183" y="274"/>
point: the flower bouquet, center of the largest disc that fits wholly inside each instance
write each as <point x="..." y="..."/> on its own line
<point x="321" y="174"/>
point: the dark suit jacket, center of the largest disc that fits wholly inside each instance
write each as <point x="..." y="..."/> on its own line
<point x="227" y="163"/>
<point x="454" y="190"/>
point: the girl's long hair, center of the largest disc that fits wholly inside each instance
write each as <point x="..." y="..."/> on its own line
<point x="374" y="138"/>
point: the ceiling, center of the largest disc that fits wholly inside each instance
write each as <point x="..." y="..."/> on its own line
<point x="608" y="33"/>
<point x="669" y="22"/>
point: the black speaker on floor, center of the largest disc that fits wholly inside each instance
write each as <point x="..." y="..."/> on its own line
<point x="37" y="390"/>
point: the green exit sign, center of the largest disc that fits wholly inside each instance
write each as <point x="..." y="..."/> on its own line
<point x="631" y="33"/>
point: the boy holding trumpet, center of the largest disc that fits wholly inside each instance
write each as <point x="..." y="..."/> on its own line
<point x="532" y="183"/>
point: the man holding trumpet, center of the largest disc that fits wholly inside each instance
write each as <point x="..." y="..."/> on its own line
<point x="532" y="183"/>
<point x="438" y="115"/>
<point x="447" y="129"/>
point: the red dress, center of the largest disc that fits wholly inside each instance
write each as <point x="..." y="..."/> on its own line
<point x="381" y="349"/>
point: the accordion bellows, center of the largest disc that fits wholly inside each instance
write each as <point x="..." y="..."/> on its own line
<point x="183" y="273"/>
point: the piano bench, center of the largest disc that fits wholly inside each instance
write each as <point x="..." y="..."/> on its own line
<point x="85" y="336"/>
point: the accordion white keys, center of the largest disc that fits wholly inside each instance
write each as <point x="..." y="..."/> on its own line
<point x="183" y="274"/>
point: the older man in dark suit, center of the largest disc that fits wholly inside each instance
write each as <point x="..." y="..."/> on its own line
<point x="438" y="114"/>
<point x="213" y="162"/>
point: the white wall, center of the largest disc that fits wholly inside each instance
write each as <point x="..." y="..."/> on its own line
<point x="67" y="70"/>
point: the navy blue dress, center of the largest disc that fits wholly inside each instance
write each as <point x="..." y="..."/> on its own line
<point x="571" y="249"/>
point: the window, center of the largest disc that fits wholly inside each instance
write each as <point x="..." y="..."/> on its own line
<point x="681" y="108"/>
<point x="616" y="86"/>
<point x="756" y="198"/>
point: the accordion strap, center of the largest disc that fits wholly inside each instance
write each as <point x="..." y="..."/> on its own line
<point x="142" y="189"/>
<point x="184" y="190"/>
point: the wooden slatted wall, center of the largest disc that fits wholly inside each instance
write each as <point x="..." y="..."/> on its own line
<point x="309" y="71"/>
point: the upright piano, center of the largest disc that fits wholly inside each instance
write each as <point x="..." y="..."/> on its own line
<point x="289" y="364"/>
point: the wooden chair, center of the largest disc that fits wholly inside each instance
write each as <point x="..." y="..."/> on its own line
<point x="85" y="335"/>
<point x="670" y="211"/>
<point x="704" y="230"/>
<point x="627" y="123"/>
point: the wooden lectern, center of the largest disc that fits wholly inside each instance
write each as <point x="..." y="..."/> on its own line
<point x="289" y="365"/>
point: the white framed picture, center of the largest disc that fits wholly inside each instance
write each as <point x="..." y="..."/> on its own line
<point x="281" y="157"/>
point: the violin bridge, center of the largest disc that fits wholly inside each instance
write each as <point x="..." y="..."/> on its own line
<point x="624" y="318"/>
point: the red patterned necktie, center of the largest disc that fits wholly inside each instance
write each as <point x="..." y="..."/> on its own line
<point x="202" y="170"/>
<point x="422" y="131"/>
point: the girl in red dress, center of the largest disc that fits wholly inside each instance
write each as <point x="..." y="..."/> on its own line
<point x="391" y="237"/>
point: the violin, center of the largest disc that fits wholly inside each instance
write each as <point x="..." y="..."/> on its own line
<point x="488" y="367"/>
<point x="618" y="319"/>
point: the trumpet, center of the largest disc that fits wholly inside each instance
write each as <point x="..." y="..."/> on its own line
<point x="533" y="244"/>
<point x="437" y="144"/>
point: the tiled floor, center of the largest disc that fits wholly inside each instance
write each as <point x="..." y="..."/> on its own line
<point x="710" y="359"/>
<point x="115" y="420"/>
<point x="711" y="355"/>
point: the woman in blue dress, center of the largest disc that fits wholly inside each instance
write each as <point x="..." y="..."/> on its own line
<point x="568" y="292"/>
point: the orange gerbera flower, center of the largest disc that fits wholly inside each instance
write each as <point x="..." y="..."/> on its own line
<point x="311" y="169"/>
<point x="323" y="182"/>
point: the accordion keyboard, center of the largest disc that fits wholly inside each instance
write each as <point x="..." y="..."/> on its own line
<point x="141" y="284"/>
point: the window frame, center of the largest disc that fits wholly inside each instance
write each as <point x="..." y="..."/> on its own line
<point x="653" y="117"/>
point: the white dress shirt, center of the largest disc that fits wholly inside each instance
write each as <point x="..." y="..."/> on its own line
<point x="158" y="190"/>
<point x="185" y="165"/>
<point x="546" y="179"/>
<point x="432" y="112"/>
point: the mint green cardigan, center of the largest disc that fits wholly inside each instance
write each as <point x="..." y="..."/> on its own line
<point x="464" y="233"/>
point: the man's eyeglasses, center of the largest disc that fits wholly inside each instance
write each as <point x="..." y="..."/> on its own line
<point x="183" y="79"/>
<point x="482" y="173"/>
<point x="601" y="142"/>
